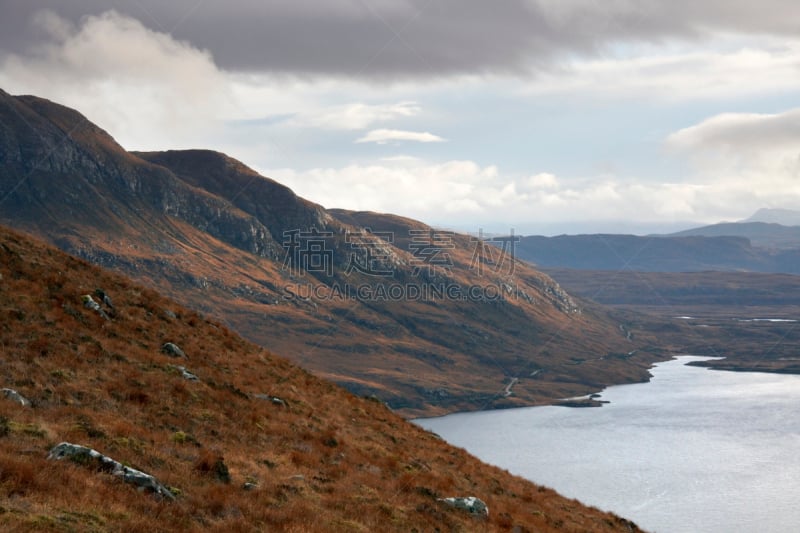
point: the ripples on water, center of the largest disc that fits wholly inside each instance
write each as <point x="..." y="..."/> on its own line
<point x="694" y="450"/>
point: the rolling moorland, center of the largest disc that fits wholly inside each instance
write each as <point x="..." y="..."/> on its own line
<point x="728" y="290"/>
<point x="750" y="319"/>
<point x="218" y="237"/>
<point x="237" y="439"/>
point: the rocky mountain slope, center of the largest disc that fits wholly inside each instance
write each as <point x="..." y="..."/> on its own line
<point x="429" y="321"/>
<point x="122" y="410"/>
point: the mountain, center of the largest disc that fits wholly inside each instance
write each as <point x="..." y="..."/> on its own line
<point x="195" y="429"/>
<point x="722" y="247"/>
<point x="768" y="235"/>
<point x="785" y="217"/>
<point x="768" y="241"/>
<point x="427" y="320"/>
<point x="651" y="253"/>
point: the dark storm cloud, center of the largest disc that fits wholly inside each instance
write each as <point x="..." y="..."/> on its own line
<point x="409" y="38"/>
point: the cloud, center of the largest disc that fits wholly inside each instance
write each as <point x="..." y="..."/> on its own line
<point x="356" y="116"/>
<point x="468" y="196"/>
<point x="120" y="73"/>
<point x="746" y="155"/>
<point x="152" y="91"/>
<point x="402" y="160"/>
<point x="742" y="132"/>
<point x="768" y="65"/>
<point x="543" y="180"/>
<point x="384" y="136"/>
<point x="416" y="38"/>
<point x="158" y="80"/>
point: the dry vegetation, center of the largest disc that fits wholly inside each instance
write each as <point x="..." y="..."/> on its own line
<point x="325" y="461"/>
<point x="720" y="304"/>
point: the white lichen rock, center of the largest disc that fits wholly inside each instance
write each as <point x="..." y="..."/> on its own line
<point x="274" y="399"/>
<point x="84" y="455"/>
<point x="14" y="396"/>
<point x="470" y="504"/>
<point x="186" y="374"/>
<point x="89" y="303"/>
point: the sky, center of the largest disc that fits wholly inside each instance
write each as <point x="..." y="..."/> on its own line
<point x="541" y="116"/>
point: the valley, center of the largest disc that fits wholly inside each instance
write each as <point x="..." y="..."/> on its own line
<point x="215" y="235"/>
<point x="751" y="319"/>
<point x="403" y="266"/>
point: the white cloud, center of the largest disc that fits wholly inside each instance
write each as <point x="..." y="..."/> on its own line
<point x="383" y="136"/>
<point x="145" y="85"/>
<point x="356" y="116"/>
<point x="467" y="195"/>
<point x="151" y="91"/>
<point x="402" y="159"/>
<point x="729" y="66"/>
<point x="738" y="132"/>
<point x="746" y="155"/>
<point x="544" y="180"/>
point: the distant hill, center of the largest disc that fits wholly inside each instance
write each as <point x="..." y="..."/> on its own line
<point x="655" y="253"/>
<point x="749" y="246"/>
<point x="238" y="438"/>
<point x="339" y="292"/>
<point x="760" y="234"/>
<point x="785" y="217"/>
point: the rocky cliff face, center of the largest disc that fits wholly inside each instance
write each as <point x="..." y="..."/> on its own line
<point x="53" y="155"/>
<point x="428" y="320"/>
<point x="275" y="205"/>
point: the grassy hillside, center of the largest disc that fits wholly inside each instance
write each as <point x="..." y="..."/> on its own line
<point x="254" y="444"/>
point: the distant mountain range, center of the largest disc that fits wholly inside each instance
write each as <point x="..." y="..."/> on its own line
<point x="753" y="245"/>
<point x="330" y="289"/>
<point x="769" y="235"/>
<point x="785" y="217"/>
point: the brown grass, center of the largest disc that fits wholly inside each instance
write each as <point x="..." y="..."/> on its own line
<point x="327" y="461"/>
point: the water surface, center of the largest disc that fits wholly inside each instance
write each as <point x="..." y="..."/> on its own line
<point x="694" y="450"/>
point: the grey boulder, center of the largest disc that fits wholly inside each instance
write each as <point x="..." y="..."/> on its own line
<point x="84" y="455"/>
<point x="172" y="350"/>
<point x="470" y="504"/>
<point x="14" y="396"/>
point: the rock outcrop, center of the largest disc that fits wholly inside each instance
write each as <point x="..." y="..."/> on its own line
<point x="14" y="396"/>
<point x="185" y="374"/>
<point x="88" y="456"/>
<point x="104" y="297"/>
<point x="470" y="504"/>
<point x="274" y="399"/>
<point x="172" y="350"/>
<point x="89" y="303"/>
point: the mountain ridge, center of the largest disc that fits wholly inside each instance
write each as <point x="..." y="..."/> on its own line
<point x="784" y="217"/>
<point x="727" y="247"/>
<point x="767" y="235"/>
<point x="207" y="230"/>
